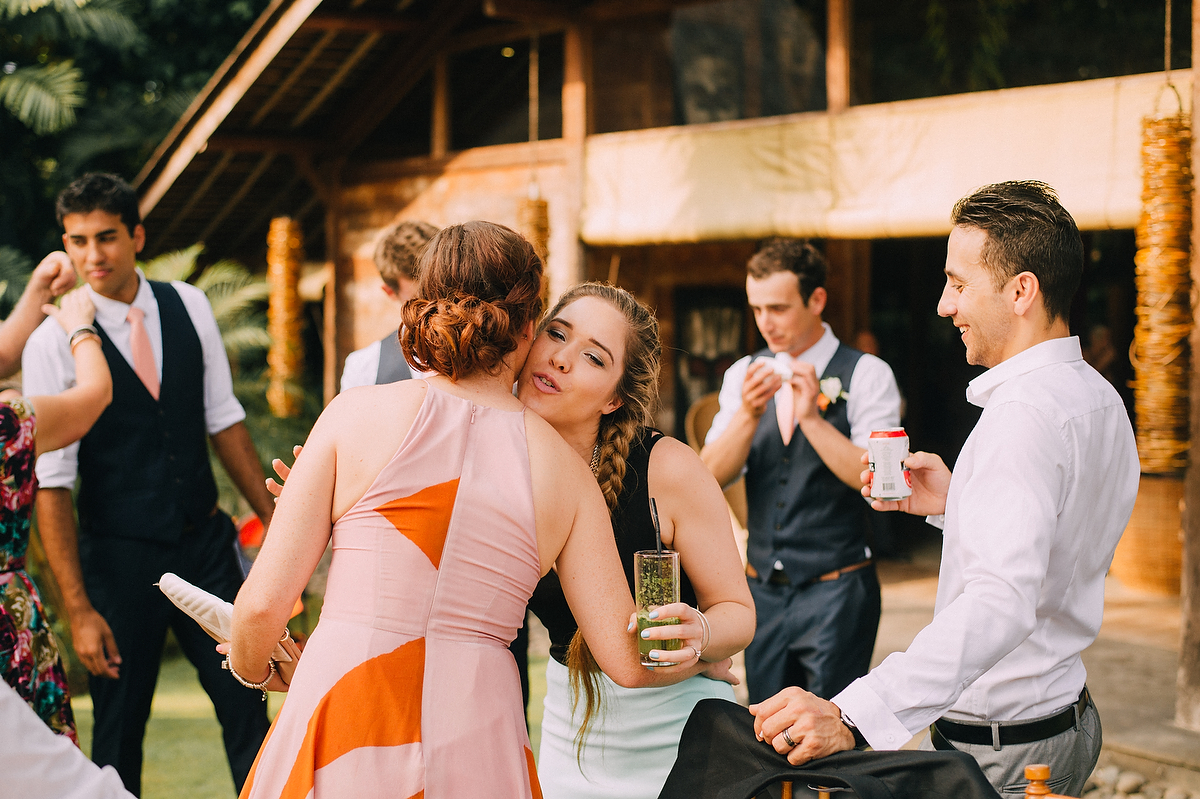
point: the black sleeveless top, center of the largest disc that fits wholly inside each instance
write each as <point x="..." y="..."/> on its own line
<point x="634" y="532"/>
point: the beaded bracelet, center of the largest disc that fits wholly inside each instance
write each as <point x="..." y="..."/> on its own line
<point x="260" y="686"/>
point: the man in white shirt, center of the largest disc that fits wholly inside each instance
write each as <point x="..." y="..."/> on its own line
<point x="1038" y="499"/>
<point x="798" y="443"/>
<point x="147" y="500"/>
<point x="396" y="256"/>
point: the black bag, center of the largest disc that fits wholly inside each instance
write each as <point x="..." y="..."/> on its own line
<point x="719" y="758"/>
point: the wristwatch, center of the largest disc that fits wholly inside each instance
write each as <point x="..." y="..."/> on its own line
<point x="859" y="741"/>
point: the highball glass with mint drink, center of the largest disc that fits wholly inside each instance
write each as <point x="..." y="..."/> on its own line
<point x="655" y="583"/>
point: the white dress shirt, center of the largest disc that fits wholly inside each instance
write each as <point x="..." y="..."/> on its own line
<point x="47" y="366"/>
<point x="362" y="367"/>
<point x="1040" y="495"/>
<point x="38" y="764"/>
<point x="873" y="399"/>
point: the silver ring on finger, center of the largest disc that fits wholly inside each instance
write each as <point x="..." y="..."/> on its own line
<point x="787" y="736"/>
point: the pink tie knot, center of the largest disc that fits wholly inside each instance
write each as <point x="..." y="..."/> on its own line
<point x="135" y="316"/>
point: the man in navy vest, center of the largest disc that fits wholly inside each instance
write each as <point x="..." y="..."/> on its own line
<point x="396" y="256"/>
<point x="147" y="500"/>
<point x="795" y="419"/>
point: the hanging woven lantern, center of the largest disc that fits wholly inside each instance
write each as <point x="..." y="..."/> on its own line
<point x="285" y="359"/>
<point x="1160" y="354"/>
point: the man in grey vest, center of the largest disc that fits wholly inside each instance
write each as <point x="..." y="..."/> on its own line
<point x="396" y="255"/>
<point x="795" y="419"/>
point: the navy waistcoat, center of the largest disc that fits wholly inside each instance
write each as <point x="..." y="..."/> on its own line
<point x="144" y="465"/>
<point x="800" y="513"/>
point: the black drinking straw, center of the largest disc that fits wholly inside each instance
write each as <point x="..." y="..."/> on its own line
<point x="657" y="529"/>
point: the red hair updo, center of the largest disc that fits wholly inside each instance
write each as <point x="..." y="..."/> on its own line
<point x="479" y="285"/>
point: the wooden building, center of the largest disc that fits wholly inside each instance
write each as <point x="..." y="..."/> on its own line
<point x="665" y="152"/>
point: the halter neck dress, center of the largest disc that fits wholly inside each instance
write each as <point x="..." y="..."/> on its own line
<point x="406" y="687"/>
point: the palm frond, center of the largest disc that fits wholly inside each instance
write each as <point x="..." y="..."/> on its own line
<point x="11" y="9"/>
<point x="103" y="21"/>
<point x="15" y="267"/>
<point x="245" y="339"/>
<point x="44" y="98"/>
<point x="176" y="265"/>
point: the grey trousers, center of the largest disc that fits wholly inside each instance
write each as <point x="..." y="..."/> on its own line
<point x="1071" y="756"/>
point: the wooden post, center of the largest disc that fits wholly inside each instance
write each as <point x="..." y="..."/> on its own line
<point x="440" y="135"/>
<point x="285" y="360"/>
<point x="567" y="267"/>
<point x="1187" y="696"/>
<point x="837" y="56"/>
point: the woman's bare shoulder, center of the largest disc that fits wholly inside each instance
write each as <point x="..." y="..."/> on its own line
<point x="672" y="460"/>
<point x="373" y="409"/>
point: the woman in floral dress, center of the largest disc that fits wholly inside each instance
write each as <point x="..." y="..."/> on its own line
<point x="29" y="426"/>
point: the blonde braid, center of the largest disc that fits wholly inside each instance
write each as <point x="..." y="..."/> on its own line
<point x="616" y="437"/>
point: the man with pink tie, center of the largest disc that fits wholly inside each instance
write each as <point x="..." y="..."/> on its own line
<point x="147" y="499"/>
<point x="794" y="419"/>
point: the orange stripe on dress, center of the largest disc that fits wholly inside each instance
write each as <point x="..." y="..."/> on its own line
<point x="424" y="517"/>
<point x="377" y="703"/>
<point x="534" y="786"/>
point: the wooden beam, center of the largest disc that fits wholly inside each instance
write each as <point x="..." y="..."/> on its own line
<point x="363" y="23"/>
<point x="287" y="83"/>
<point x="837" y="56"/>
<point x="611" y="10"/>
<point x="527" y="10"/>
<point x="391" y="80"/>
<point x="197" y="195"/>
<point x="243" y="143"/>
<point x="439" y="134"/>
<point x="500" y="34"/>
<point x="190" y="136"/>
<point x="262" y="166"/>
<point x="336" y="79"/>
<point x="256" y="225"/>
<point x="1187" y="689"/>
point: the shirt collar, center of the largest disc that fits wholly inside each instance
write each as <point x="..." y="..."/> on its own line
<point x="111" y="313"/>
<point x="821" y="353"/>
<point x="1056" y="350"/>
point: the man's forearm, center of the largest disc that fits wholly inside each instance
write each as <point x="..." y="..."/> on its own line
<point x="836" y="451"/>
<point x="237" y="454"/>
<point x="726" y="456"/>
<point x="60" y="538"/>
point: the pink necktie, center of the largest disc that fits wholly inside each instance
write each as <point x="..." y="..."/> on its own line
<point x="143" y="356"/>
<point x="785" y="403"/>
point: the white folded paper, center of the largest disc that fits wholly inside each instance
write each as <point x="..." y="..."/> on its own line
<point x="211" y="612"/>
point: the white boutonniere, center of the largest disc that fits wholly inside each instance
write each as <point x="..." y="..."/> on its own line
<point x="831" y="392"/>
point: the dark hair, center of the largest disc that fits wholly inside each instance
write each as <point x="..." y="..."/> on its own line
<point x="399" y="248"/>
<point x="479" y="284"/>
<point x="797" y="256"/>
<point x="638" y="391"/>
<point x="1028" y="230"/>
<point x="100" y="191"/>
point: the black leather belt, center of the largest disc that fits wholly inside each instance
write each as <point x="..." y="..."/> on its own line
<point x="999" y="734"/>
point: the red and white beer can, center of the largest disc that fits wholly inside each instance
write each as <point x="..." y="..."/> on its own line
<point x="886" y="451"/>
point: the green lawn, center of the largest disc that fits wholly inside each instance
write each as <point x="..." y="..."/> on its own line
<point x="184" y="754"/>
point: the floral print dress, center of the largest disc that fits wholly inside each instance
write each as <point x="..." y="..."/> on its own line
<point x="29" y="658"/>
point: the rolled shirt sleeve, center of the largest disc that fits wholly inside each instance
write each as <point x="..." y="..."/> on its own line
<point x="730" y="398"/>
<point x="874" y="399"/>
<point x="994" y="567"/>
<point x="47" y="368"/>
<point x="221" y="407"/>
